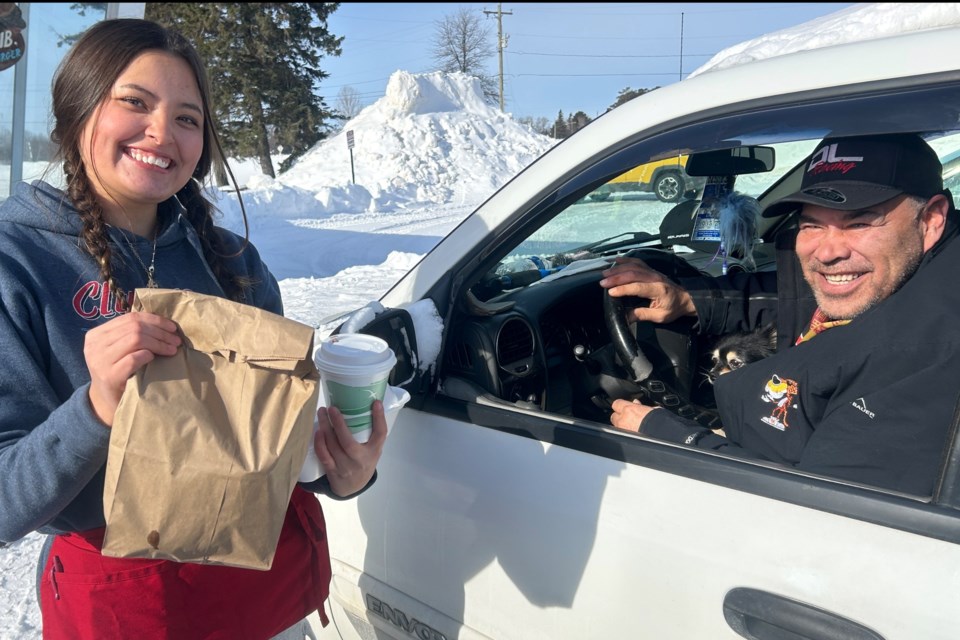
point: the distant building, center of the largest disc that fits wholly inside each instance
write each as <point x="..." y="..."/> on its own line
<point x="31" y="47"/>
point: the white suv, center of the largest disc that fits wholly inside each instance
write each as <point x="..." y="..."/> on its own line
<point x="506" y="505"/>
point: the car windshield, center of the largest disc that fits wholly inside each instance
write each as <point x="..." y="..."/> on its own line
<point x="618" y="209"/>
<point x="626" y="213"/>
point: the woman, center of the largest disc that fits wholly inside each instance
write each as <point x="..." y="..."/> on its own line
<point x="136" y="141"/>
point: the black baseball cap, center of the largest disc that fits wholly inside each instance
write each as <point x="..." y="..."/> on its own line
<point x="856" y="172"/>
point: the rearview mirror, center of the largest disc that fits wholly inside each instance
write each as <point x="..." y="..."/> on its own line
<point x="731" y="162"/>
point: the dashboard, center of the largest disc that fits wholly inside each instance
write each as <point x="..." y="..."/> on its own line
<point x="548" y="346"/>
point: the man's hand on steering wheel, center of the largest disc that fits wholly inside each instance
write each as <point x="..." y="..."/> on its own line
<point x="669" y="302"/>
<point x="632" y="277"/>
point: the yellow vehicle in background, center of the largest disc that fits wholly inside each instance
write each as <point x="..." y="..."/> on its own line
<point x="666" y="179"/>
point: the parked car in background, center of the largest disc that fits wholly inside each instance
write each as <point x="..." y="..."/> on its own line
<point x="665" y="179"/>
<point x="507" y="507"/>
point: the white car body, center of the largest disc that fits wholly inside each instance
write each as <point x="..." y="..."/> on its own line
<point x="491" y="520"/>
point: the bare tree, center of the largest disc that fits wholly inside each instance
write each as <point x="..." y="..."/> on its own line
<point x="348" y="103"/>
<point x="462" y="43"/>
<point x="39" y="147"/>
<point x="540" y="124"/>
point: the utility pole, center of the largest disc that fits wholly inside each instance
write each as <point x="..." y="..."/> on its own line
<point x="681" y="45"/>
<point x="501" y="42"/>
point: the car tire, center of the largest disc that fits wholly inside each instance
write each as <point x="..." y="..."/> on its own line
<point x="669" y="186"/>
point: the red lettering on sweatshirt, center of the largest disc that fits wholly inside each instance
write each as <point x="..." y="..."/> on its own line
<point x="94" y="300"/>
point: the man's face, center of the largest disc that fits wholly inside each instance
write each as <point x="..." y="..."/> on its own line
<point x="854" y="259"/>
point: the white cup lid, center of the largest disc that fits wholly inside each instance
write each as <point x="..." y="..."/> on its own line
<point x="349" y="352"/>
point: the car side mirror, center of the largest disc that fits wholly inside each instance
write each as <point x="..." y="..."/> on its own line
<point x="395" y="326"/>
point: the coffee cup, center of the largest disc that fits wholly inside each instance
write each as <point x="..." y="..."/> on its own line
<point x="354" y="368"/>
<point x="393" y="400"/>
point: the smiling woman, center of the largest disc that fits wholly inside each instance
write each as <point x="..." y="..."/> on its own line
<point x="135" y="143"/>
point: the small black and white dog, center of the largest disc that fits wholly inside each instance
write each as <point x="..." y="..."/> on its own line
<point x="735" y="350"/>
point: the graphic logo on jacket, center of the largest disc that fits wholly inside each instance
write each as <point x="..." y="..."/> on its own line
<point x="780" y="392"/>
<point x="861" y="405"/>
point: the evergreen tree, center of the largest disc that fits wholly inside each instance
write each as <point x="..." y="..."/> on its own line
<point x="6" y="143"/>
<point x="577" y="121"/>
<point x="560" y="130"/>
<point x="263" y="60"/>
<point x="628" y="94"/>
<point x="98" y="9"/>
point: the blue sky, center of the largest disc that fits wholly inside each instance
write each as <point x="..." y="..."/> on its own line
<point x="559" y="56"/>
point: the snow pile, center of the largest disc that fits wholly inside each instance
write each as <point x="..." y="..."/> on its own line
<point x="432" y="139"/>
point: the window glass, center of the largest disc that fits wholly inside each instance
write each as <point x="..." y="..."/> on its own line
<point x="6" y="102"/>
<point x="47" y="27"/>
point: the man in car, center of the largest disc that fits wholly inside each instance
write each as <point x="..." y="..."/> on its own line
<point x="869" y="390"/>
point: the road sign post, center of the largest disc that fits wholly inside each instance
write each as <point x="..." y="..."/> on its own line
<point x="353" y="176"/>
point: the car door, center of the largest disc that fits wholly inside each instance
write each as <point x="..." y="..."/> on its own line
<point x="502" y="511"/>
<point x="475" y="532"/>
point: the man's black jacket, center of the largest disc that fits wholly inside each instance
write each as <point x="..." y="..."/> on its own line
<point x="871" y="401"/>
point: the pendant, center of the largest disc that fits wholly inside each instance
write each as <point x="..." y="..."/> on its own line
<point x="151" y="283"/>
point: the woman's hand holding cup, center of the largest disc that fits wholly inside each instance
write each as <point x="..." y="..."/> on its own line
<point x="348" y="464"/>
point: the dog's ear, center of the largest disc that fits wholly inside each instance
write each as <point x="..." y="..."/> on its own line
<point x="770" y="333"/>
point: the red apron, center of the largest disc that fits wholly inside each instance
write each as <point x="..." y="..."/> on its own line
<point x="84" y="594"/>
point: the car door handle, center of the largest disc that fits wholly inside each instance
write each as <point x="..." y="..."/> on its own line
<point x="760" y="615"/>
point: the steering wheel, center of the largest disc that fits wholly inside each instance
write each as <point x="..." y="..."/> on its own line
<point x="624" y="342"/>
<point x="663" y="366"/>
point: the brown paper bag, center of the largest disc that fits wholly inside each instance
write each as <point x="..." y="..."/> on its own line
<point x="207" y="444"/>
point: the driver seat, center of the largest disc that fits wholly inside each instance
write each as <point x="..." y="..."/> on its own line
<point x="677" y="227"/>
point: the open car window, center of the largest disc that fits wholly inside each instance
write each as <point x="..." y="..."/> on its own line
<point x="531" y="332"/>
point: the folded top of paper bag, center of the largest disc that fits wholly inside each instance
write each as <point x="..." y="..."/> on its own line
<point x="214" y="325"/>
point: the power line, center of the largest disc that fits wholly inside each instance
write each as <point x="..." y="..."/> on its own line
<point x="724" y="36"/>
<point x="590" y="75"/>
<point x="601" y="55"/>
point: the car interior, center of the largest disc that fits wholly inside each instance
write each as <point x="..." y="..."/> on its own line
<point x="532" y="327"/>
<point x="551" y="338"/>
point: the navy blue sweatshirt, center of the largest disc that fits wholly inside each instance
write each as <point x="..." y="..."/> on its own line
<point x="52" y="447"/>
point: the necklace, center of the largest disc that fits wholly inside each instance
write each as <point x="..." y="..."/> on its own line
<point x="151" y="283"/>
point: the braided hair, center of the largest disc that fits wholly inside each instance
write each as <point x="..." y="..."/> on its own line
<point x="81" y="84"/>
